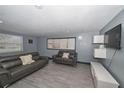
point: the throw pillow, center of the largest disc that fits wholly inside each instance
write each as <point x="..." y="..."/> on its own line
<point x="65" y="55"/>
<point x="27" y="59"/>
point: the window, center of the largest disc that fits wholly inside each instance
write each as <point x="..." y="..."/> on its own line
<point x="61" y="43"/>
<point x="10" y="43"/>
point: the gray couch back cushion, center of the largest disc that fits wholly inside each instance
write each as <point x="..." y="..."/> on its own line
<point x="12" y="61"/>
<point x="8" y="58"/>
<point x="11" y="64"/>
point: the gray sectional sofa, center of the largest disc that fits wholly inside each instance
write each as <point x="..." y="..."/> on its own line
<point x="11" y="68"/>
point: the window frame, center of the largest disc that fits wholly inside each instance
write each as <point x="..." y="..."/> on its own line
<point x="61" y="38"/>
<point x="21" y="46"/>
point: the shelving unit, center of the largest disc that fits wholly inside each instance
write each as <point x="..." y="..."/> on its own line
<point x="98" y="39"/>
<point x="100" y="53"/>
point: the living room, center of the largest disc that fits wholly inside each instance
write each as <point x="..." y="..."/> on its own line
<point x="61" y="46"/>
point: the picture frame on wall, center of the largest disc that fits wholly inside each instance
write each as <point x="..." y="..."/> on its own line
<point x="30" y="41"/>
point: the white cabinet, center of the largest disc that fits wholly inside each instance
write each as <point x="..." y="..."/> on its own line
<point x="98" y="39"/>
<point x="101" y="77"/>
<point x="100" y="53"/>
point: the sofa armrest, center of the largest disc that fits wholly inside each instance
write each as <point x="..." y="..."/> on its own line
<point x="54" y="56"/>
<point x="3" y="71"/>
<point x="73" y="56"/>
<point x="4" y="77"/>
<point x="75" y="59"/>
<point x="76" y="56"/>
<point x="44" y="57"/>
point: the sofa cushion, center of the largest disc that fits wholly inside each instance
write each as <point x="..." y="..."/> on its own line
<point x="27" y="59"/>
<point x="35" y="58"/>
<point x="10" y="64"/>
<point x="35" y="54"/>
<point x="25" y="69"/>
<point x="71" y="56"/>
<point x="67" y="60"/>
<point x="58" y="59"/>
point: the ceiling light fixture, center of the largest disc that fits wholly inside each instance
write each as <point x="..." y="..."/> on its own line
<point x="39" y="6"/>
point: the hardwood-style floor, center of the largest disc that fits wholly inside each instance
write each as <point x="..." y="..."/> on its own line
<point x="57" y="76"/>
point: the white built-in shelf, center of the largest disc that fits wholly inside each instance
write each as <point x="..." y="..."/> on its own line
<point x="98" y="39"/>
<point x="100" y="53"/>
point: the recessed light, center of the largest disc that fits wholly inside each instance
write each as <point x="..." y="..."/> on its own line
<point x="39" y="6"/>
<point x="79" y="37"/>
<point x="1" y="21"/>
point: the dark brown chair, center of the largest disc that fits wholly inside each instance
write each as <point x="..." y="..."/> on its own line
<point x="72" y="60"/>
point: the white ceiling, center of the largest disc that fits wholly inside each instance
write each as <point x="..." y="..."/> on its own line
<point x="56" y="20"/>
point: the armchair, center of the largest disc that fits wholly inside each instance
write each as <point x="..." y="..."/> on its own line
<point x="71" y="60"/>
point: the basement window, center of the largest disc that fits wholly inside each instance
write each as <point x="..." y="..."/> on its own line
<point x="10" y="43"/>
<point x="62" y="43"/>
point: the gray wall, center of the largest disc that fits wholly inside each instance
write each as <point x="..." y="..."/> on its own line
<point x="30" y="47"/>
<point x="26" y="47"/>
<point x="117" y="66"/>
<point x="84" y="47"/>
